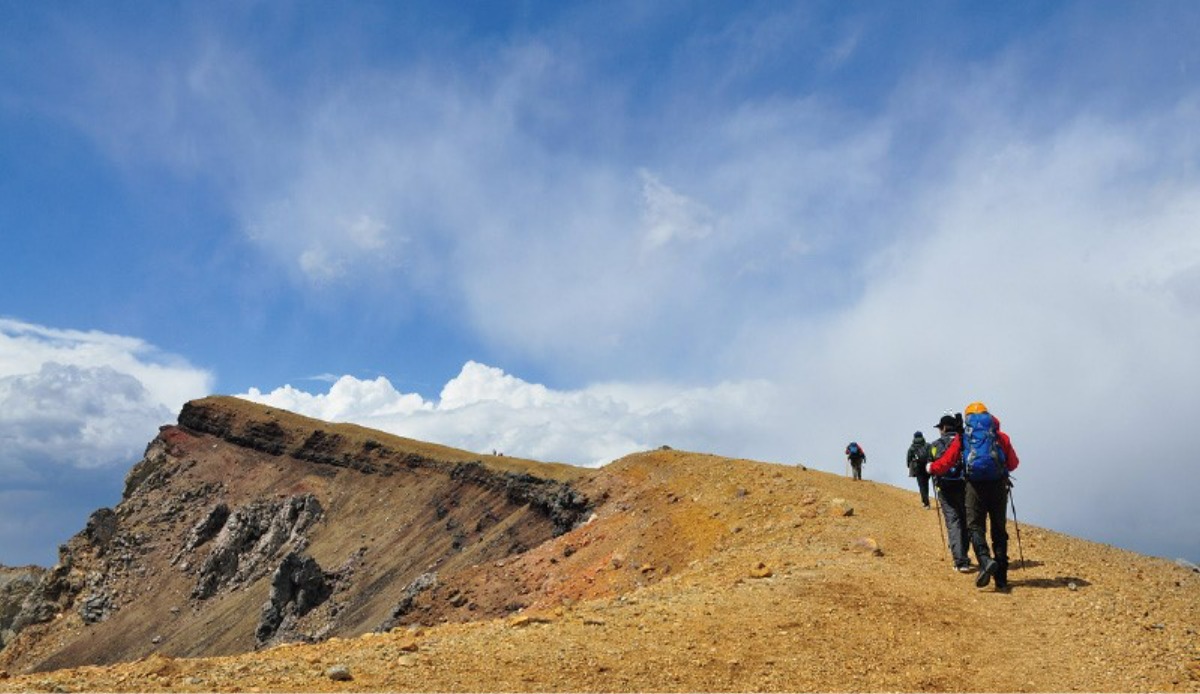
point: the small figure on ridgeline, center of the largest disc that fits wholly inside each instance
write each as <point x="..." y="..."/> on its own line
<point x="947" y="472"/>
<point x="857" y="456"/>
<point x="918" y="458"/>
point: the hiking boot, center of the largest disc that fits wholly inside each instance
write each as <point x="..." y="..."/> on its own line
<point x="963" y="568"/>
<point x="987" y="567"/>
<point x="1002" y="586"/>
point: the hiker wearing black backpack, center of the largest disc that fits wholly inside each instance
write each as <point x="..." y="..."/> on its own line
<point x="947" y="471"/>
<point x="857" y="456"/>
<point x="918" y="458"/>
<point x="987" y="457"/>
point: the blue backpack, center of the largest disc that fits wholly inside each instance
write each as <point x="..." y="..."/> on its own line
<point x="982" y="455"/>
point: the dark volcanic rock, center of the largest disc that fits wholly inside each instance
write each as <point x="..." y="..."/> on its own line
<point x="266" y="436"/>
<point x="565" y="506"/>
<point x="101" y="528"/>
<point x="297" y="586"/>
<point x="208" y="527"/>
<point x="250" y="539"/>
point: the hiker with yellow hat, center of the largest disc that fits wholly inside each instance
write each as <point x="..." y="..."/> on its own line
<point x="987" y="457"/>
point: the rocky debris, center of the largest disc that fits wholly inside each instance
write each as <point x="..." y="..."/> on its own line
<point x="297" y="587"/>
<point x="408" y="644"/>
<point x="95" y="608"/>
<point x="525" y="620"/>
<point x="408" y="598"/>
<point x="840" y="507"/>
<point x="761" y="570"/>
<point x="251" y="538"/>
<point x="868" y="545"/>
<point x="339" y="673"/>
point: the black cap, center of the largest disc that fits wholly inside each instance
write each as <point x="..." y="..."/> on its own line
<point x="947" y="422"/>
<point x="918" y="435"/>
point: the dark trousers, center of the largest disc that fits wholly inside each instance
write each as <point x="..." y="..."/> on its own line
<point x="856" y="465"/>
<point x="952" y="497"/>
<point x="987" y="503"/>
<point x="923" y="486"/>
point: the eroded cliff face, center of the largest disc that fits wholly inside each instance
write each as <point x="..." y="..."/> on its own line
<point x="245" y="526"/>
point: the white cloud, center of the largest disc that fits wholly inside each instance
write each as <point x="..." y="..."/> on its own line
<point x="484" y="409"/>
<point x="79" y="399"/>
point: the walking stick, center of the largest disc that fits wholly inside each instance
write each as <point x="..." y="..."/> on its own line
<point x="1016" y="522"/>
<point x="937" y="503"/>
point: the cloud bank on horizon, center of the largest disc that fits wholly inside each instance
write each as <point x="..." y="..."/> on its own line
<point x="573" y="232"/>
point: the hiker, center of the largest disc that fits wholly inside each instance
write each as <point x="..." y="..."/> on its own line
<point x="857" y="456"/>
<point x="947" y="472"/>
<point x="988" y="458"/>
<point x="918" y="458"/>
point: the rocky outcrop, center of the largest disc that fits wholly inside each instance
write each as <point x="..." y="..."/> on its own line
<point x="297" y="586"/>
<point x="15" y="585"/>
<point x="249" y="539"/>
<point x="565" y="506"/>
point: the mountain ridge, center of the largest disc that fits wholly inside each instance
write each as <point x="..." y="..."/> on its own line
<point x="665" y="570"/>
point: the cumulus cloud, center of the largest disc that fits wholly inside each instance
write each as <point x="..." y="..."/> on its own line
<point x="77" y="408"/>
<point x="484" y="409"/>
<point x="75" y="399"/>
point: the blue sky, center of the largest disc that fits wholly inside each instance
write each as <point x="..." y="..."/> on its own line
<point x="575" y="230"/>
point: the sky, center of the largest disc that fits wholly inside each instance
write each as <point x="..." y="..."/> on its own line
<point x="571" y="231"/>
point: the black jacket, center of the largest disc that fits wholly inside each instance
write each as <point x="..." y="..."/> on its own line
<point x="918" y="457"/>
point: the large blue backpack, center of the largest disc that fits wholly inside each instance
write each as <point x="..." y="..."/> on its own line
<point x="982" y="456"/>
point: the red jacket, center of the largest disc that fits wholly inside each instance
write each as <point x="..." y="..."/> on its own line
<point x="950" y="456"/>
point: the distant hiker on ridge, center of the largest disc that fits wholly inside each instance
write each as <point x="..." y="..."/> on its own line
<point x="950" y="489"/>
<point x="857" y="456"/>
<point x="986" y="456"/>
<point x="918" y="458"/>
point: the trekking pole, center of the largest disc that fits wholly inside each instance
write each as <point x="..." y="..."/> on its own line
<point x="1016" y="522"/>
<point x="937" y="504"/>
